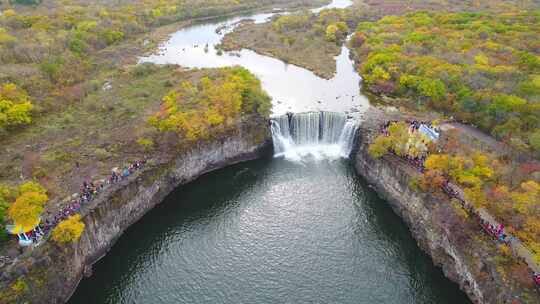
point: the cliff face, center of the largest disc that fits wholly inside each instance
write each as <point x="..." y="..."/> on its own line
<point x="415" y="210"/>
<point x="51" y="273"/>
<point x="453" y="240"/>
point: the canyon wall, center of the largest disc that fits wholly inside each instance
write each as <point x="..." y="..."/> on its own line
<point x="451" y="237"/>
<point x="50" y="273"/>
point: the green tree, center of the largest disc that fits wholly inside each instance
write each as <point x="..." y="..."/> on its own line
<point x="3" y="211"/>
<point x="503" y="105"/>
<point x="534" y="140"/>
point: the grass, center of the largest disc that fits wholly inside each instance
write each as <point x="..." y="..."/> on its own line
<point x="98" y="133"/>
<point x="306" y="49"/>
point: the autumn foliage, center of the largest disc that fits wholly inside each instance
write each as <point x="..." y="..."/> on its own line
<point x="476" y="173"/>
<point x="15" y="107"/>
<point x="30" y="199"/>
<point x="69" y="230"/>
<point x="199" y="110"/>
<point x="400" y="141"/>
<point x="482" y="68"/>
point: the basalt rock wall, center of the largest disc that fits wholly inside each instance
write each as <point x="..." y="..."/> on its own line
<point x="454" y="240"/>
<point x="50" y="273"/>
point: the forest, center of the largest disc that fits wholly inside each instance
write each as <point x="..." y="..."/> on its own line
<point x="508" y="189"/>
<point x="48" y="50"/>
<point x="55" y="59"/>
<point x="480" y="68"/>
<point x="212" y="105"/>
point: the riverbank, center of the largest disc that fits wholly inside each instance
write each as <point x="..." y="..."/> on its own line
<point x="442" y="228"/>
<point x="76" y="122"/>
<point x="49" y="274"/>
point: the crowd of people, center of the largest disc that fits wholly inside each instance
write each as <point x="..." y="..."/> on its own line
<point x="89" y="191"/>
<point x="496" y="232"/>
<point x="414" y="125"/>
<point x="536" y="279"/>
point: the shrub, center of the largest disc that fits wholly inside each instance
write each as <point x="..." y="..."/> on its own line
<point x="15" y="106"/>
<point x="534" y="141"/>
<point x="102" y="154"/>
<point x="32" y="187"/>
<point x="143" y="69"/>
<point x="380" y="147"/>
<point x="3" y="210"/>
<point x="69" y="230"/>
<point x="146" y="143"/>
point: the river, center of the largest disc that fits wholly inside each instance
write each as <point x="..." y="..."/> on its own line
<point x="300" y="227"/>
<point x="269" y="231"/>
<point x="293" y="89"/>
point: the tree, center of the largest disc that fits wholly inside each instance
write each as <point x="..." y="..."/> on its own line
<point x="32" y="187"/>
<point x="432" y="88"/>
<point x="15" y="106"/>
<point x="332" y="33"/>
<point x="398" y="133"/>
<point x="527" y="197"/>
<point x="534" y="140"/>
<point x="3" y="210"/>
<point x="380" y="146"/>
<point x="27" y="208"/>
<point x="379" y="74"/>
<point x="476" y="196"/>
<point x="69" y="230"/>
<point x="336" y="31"/>
<point x="358" y="39"/>
<point x="439" y="162"/>
<point x="432" y="180"/>
<point x="503" y="105"/>
<point x="6" y="38"/>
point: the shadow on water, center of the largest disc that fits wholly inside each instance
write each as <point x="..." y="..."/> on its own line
<point x="410" y="265"/>
<point x="269" y="231"/>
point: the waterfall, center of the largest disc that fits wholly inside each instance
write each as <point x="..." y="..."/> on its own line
<point x="314" y="134"/>
<point x="280" y="135"/>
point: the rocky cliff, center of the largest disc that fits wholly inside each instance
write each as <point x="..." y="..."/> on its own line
<point x="442" y="228"/>
<point x="50" y="274"/>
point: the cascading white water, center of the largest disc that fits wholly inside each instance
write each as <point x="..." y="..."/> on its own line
<point x="280" y="134"/>
<point x="332" y="124"/>
<point x="315" y="134"/>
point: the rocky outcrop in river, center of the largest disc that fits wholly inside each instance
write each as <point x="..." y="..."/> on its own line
<point x="50" y="274"/>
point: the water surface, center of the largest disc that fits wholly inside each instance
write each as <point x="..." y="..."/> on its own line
<point x="272" y="230"/>
<point x="269" y="231"/>
<point x="292" y="88"/>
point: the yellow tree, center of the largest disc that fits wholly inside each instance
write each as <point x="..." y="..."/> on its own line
<point x="32" y="187"/>
<point x="69" y="230"/>
<point x="399" y="134"/>
<point x="332" y="33"/>
<point x="27" y="208"/>
<point x="380" y="146"/>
